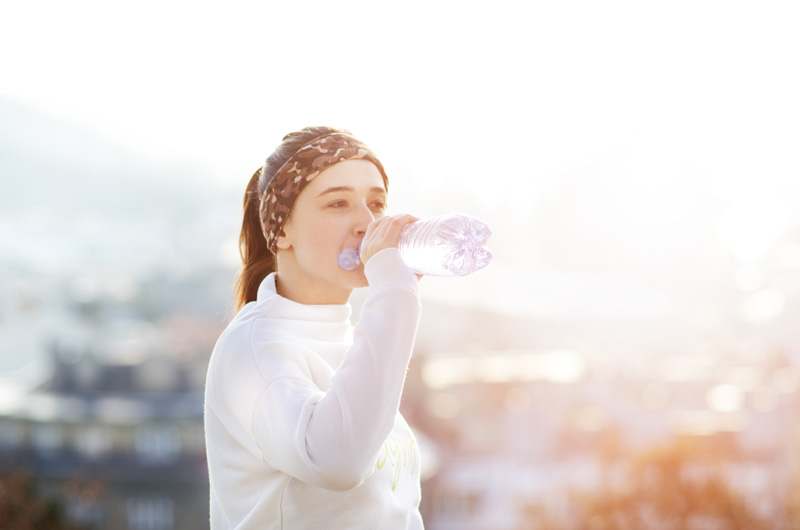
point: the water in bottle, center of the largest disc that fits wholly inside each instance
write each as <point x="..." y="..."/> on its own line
<point x="446" y="245"/>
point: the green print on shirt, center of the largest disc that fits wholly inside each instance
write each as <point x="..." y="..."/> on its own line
<point x="401" y="455"/>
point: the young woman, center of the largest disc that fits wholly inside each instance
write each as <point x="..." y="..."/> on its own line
<point x="302" y="421"/>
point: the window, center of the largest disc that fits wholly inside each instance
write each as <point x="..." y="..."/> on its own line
<point x="47" y="438"/>
<point x="153" y="513"/>
<point x="157" y="444"/>
<point x="11" y="434"/>
<point x="93" y="441"/>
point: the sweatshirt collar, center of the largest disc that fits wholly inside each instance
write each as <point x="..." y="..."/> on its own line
<point x="282" y="307"/>
<point x="324" y="328"/>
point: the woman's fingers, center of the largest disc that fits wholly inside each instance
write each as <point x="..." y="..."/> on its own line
<point x="384" y="233"/>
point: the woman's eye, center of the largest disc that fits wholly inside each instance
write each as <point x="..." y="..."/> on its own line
<point x="334" y="204"/>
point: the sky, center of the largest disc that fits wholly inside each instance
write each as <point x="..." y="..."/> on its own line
<point x="653" y="122"/>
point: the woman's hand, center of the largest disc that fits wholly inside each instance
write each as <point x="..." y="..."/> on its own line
<point x="384" y="233"/>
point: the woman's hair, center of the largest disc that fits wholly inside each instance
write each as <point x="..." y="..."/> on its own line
<point x="257" y="260"/>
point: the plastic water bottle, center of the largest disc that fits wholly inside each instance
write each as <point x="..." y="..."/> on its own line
<point x="445" y="245"/>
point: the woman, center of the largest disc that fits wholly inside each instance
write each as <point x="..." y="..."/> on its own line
<point x="302" y="421"/>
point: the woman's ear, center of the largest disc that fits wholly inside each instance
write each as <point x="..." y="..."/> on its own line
<point x="285" y="242"/>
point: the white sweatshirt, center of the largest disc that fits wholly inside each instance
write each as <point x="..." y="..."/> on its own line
<point x="302" y="421"/>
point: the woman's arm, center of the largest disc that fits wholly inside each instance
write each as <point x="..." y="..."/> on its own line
<point x="331" y="439"/>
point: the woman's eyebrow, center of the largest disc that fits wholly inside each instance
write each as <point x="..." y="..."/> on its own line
<point x="348" y="188"/>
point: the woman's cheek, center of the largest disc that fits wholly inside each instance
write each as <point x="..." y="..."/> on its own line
<point x="325" y="235"/>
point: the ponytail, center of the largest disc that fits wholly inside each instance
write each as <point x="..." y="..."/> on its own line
<point x="257" y="260"/>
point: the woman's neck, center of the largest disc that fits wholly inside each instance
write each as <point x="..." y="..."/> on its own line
<point x="306" y="291"/>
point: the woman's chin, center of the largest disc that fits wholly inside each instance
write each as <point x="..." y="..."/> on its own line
<point x="361" y="278"/>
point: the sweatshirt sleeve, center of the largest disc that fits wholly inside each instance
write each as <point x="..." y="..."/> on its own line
<point x="331" y="439"/>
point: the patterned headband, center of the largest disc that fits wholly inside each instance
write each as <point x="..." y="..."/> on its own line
<point x="280" y="193"/>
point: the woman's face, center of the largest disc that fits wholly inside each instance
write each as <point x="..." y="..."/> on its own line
<point x="325" y="221"/>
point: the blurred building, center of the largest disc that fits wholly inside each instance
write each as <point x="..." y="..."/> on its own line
<point x="120" y="443"/>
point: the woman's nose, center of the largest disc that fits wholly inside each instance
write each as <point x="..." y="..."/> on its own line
<point x="365" y="208"/>
<point x="366" y="217"/>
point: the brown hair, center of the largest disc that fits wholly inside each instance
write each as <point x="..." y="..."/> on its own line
<point x="257" y="260"/>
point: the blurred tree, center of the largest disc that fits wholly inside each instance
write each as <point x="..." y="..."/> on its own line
<point x="792" y="507"/>
<point x="677" y="486"/>
<point x="23" y="508"/>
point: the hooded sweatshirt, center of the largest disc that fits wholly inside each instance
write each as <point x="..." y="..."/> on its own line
<point x="301" y="410"/>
